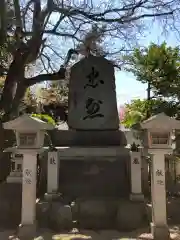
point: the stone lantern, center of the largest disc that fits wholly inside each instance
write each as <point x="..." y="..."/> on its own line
<point x="30" y="133"/>
<point x="160" y="132"/>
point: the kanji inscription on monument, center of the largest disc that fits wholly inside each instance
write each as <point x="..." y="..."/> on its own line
<point x="52" y="161"/>
<point x="93" y="79"/>
<point x="135" y="161"/>
<point x="92" y="95"/>
<point x="93" y="108"/>
<point x="27" y="176"/>
<point x="160" y="177"/>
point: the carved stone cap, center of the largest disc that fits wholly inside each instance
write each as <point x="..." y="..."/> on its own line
<point x="160" y="122"/>
<point x="27" y="123"/>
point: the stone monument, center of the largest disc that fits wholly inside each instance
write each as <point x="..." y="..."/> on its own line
<point x="92" y="95"/>
<point x="93" y="157"/>
<point x="93" y="139"/>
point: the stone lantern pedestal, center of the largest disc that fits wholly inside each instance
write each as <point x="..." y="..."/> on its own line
<point x="159" y="227"/>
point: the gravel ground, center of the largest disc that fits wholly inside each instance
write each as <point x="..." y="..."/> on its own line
<point x="45" y="234"/>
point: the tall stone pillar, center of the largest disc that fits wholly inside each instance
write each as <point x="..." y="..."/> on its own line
<point x="28" y="212"/>
<point x="136" y="186"/>
<point x="145" y="171"/>
<point x="178" y="171"/>
<point x="53" y="172"/>
<point x="159" y="225"/>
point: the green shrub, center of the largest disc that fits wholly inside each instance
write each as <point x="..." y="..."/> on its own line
<point x="44" y="117"/>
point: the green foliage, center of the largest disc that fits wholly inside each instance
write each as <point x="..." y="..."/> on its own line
<point x="160" y="66"/>
<point x="137" y="110"/>
<point x="44" y="117"/>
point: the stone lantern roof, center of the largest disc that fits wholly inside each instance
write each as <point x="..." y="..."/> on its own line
<point x="162" y="122"/>
<point x="27" y="123"/>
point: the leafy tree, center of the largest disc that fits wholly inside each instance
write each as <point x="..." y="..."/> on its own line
<point x="38" y="29"/>
<point x="53" y="100"/>
<point x="53" y="93"/>
<point x="136" y="111"/>
<point x="28" y="103"/>
<point x="158" y="65"/>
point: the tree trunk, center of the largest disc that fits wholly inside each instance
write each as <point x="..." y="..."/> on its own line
<point x="20" y="92"/>
<point x="12" y="93"/>
<point x="6" y="140"/>
<point x="15" y="75"/>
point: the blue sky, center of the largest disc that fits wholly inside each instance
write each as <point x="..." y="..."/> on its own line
<point x="127" y="88"/>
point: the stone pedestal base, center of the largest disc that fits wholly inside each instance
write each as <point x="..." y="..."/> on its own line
<point x="10" y="205"/>
<point x="138" y="197"/>
<point x="51" y="196"/>
<point x="14" y="179"/>
<point x="160" y="232"/>
<point x="27" y="231"/>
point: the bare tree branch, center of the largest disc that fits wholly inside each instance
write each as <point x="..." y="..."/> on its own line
<point x="60" y="75"/>
<point x="60" y="34"/>
<point x="100" y="17"/>
<point x="37" y="25"/>
<point x="45" y="30"/>
<point x="45" y="77"/>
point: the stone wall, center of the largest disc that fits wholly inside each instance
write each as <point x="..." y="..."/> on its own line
<point x="10" y="207"/>
<point x="89" y="178"/>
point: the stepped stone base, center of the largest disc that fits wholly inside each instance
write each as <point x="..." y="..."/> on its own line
<point x="88" y="138"/>
<point x="96" y="214"/>
<point x="10" y="204"/>
<point x="137" y="197"/>
<point x="160" y="232"/>
<point x="54" y="214"/>
<point x="131" y="215"/>
<point x="27" y="232"/>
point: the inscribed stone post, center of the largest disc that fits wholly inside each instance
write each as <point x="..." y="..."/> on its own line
<point x="29" y="188"/>
<point x="159" y="226"/>
<point x="92" y="95"/>
<point x="53" y="172"/>
<point x="136" y="188"/>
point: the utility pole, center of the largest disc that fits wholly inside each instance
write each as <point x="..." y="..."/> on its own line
<point x="148" y="98"/>
<point x="149" y="92"/>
